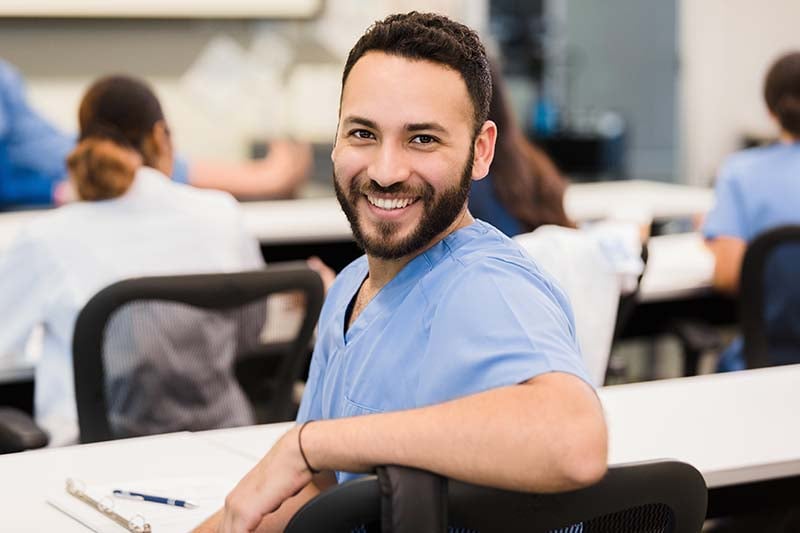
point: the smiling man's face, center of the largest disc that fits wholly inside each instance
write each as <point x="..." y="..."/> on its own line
<point x="403" y="159"/>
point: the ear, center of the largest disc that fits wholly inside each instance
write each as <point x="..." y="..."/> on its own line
<point x="484" y="150"/>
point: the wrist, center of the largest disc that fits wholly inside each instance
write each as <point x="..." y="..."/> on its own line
<point x="303" y="453"/>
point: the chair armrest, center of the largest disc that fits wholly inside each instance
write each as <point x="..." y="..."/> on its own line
<point x="19" y="432"/>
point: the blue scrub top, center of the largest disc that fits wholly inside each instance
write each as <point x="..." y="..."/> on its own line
<point x="757" y="190"/>
<point x="32" y="151"/>
<point x="470" y="314"/>
<point x="484" y="204"/>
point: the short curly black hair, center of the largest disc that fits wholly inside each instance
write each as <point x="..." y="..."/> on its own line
<point x="436" y="38"/>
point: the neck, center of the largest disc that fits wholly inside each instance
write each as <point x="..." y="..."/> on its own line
<point x="382" y="271"/>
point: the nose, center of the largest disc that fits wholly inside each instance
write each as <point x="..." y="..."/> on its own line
<point x="391" y="165"/>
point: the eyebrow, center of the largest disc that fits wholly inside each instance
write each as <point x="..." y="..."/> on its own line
<point x="361" y="121"/>
<point x="426" y="126"/>
<point x="413" y="127"/>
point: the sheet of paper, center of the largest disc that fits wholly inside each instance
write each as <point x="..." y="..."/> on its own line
<point x="207" y="492"/>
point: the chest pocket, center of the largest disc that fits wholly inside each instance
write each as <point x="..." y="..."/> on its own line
<point x="382" y="368"/>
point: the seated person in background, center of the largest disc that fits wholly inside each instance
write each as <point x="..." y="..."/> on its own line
<point x="33" y="152"/>
<point x="524" y="189"/>
<point x="131" y="221"/>
<point x="757" y="189"/>
<point x="444" y="348"/>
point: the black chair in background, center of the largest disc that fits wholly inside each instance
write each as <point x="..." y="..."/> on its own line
<point x="769" y="298"/>
<point x="158" y="354"/>
<point x="653" y="497"/>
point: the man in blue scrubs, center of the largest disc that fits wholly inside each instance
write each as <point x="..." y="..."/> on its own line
<point x="445" y="347"/>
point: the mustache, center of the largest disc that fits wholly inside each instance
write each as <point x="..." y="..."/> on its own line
<point x="372" y="187"/>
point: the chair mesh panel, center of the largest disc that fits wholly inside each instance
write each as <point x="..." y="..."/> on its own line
<point x="170" y="366"/>
<point x="650" y="518"/>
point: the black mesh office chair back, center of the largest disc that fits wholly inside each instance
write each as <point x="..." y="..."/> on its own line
<point x="653" y="497"/>
<point x="770" y="298"/>
<point x="192" y="352"/>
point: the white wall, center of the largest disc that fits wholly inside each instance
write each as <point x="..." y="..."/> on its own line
<point x="59" y="59"/>
<point x="726" y="47"/>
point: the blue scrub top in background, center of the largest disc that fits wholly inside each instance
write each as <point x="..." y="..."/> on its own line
<point x="32" y="151"/>
<point x="484" y="204"/>
<point x="757" y="190"/>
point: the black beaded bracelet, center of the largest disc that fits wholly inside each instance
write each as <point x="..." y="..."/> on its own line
<point x="300" y="445"/>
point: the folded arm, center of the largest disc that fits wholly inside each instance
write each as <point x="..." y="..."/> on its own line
<point x="545" y="435"/>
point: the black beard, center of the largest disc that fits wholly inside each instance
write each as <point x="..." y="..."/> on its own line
<point x="438" y="214"/>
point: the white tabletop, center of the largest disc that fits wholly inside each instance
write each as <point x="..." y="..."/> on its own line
<point x="322" y="220"/>
<point x="679" y="266"/>
<point x="734" y="428"/>
<point x="27" y="479"/>
<point x="610" y="199"/>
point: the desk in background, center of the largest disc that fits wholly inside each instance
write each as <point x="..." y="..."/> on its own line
<point x="739" y="429"/>
<point x="676" y="282"/>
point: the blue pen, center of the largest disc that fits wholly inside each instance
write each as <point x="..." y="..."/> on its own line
<point x="128" y="495"/>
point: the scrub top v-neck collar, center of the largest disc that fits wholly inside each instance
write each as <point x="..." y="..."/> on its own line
<point x="391" y="294"/>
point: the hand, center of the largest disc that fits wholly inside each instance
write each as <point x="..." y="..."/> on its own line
<point x="289" y="161"/>
<point x="281" y="474"/>
<point x="325" y="272"/>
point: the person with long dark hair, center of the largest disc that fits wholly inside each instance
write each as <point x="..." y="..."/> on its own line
<point x="524" y="189"/>
<point x="131" y="221"/>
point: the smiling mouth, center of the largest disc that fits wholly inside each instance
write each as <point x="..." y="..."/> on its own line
<point x="390" y="204"/>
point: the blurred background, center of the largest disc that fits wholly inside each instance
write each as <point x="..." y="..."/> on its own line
<point x="652" y="89"/>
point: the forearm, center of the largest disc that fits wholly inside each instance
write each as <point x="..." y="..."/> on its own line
<point x="523" y="437"/>
<point x="244" y="180"/>
<point x="728" y="255"/>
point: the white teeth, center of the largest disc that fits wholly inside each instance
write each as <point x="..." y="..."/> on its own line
<point x="390" y="203"/>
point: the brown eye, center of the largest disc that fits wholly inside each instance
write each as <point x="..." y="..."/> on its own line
<point x="424" y="139"/>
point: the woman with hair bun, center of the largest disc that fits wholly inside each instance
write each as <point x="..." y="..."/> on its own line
<point x="757" y="189"/>
<point x="131" y="221"/>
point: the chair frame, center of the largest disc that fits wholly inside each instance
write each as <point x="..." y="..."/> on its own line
<point x="751" y="293"/>
<point x="678" y="485"/>
<point x="207" y="291"/>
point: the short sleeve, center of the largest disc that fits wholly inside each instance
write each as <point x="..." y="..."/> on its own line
<point x="727" y="217"/>
<point x="500" y="325"/>
<point x="180" y="170"/>
<point x="311" y="404"/>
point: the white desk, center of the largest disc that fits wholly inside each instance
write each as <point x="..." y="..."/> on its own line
<point x="26" y="479"/>
<point x="587" y="201"/>
<point x="322" y="220"/>
<point x="735" y="428"/>
<point x="679" y="266"/>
